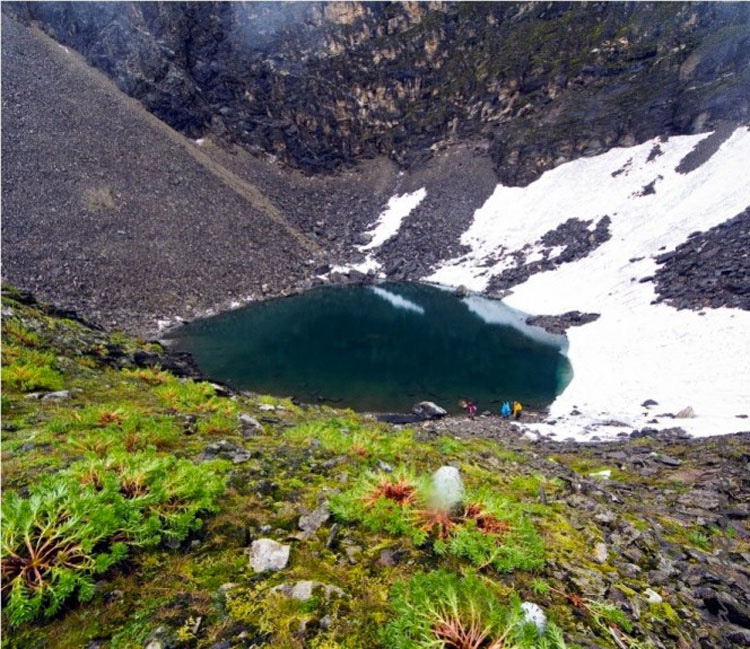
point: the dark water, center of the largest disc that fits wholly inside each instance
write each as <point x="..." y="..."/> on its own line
<point x="380" y="349"/>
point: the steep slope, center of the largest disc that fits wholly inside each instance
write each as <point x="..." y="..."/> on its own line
<point x="110" y="210"/>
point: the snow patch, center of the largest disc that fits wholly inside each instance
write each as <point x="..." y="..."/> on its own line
<point x="387" y="225"/>
<point x="389" y="221"/>
<point x="636" y="350"/>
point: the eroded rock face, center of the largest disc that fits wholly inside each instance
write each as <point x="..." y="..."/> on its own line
<point x="319" y="85"/>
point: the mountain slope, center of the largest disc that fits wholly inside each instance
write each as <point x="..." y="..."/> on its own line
<point x="324" y="84"/>
<point x="108" y="209"/>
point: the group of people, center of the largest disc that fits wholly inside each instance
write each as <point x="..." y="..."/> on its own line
<point x="507" y="409"/>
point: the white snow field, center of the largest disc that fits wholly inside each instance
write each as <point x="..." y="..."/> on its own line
<point x="636" y="350"/>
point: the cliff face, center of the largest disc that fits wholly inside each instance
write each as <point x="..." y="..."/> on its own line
<point x="322" y="84"/>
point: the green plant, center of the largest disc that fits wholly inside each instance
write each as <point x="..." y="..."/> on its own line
<point x="81" y="521"/>
<point x="18" y="334"/>
<point x="443" y="610"/>
<point x="28" y="369"/>
<point x="448" y="445"/>
<point x="348" y="435"/>
<point x="488" y="531"/>
<point x="539" y="587"/>
<point x="699" y="539"/>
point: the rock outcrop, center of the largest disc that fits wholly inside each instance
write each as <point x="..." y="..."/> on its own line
<point x="321" y="84"/>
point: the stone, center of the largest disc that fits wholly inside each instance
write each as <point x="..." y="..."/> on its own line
<point x="668" y="460"/>
<point x="726" y="606"/>
<point x="60" y="395"/>
<point x="266" y="407"/>
<point x="160" y="638"/>
<point x="250" y="425"/>
<point x="447" y="488"/>
<point x="685" y="413"/>
<point x="313" y="521"/>
<point x="652" y="596"/>
<point x="533" y="613"/>
<point x="303" y="590"/>
<point x="267" y="554"/>
<point x="600" y="553"/>
<point x="428" y="410"/>
<point x="384" y="466"/>
<point x="225" y="450"/>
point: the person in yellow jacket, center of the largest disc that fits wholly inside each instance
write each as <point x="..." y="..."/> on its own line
<point x="517" y="407"/>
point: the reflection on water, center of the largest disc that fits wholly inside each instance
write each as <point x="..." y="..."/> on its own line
<point x="381" y="348"/>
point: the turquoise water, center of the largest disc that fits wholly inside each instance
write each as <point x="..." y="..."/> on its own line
<point x="381" y="349"/>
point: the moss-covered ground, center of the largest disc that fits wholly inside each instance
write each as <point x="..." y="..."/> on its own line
<point x="198" y="589"/>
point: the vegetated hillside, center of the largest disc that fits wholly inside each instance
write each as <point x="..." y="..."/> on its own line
<point x="136" y="504"/>
<point x="320" y="84"/>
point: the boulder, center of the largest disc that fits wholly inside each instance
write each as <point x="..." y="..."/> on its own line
<point x="267" y="554"/>
<point x="313" y="521"/>
<point x="60" y="395"/>
<point x="685" y="413"/>
<point x="428" y="410"/>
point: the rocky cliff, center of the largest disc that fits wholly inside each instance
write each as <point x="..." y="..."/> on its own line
<point x="323" y="84"/>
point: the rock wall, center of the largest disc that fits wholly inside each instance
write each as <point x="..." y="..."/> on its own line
<point x="318" y="85"/>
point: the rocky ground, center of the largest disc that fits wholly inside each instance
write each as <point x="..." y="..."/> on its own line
<point x="710" y="270"/>
<point x="645" y="539"/>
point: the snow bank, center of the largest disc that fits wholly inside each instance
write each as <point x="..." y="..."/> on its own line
<point x="389" y="221"/>
<point x="635" y="351"/>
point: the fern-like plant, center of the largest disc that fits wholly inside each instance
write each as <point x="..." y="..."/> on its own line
<point x="488" y="531"/>
<point x="81" y="521"/>
<point x="442" y="610"/>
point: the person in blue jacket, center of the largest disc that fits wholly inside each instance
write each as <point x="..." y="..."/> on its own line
<point x="505" y="409"/>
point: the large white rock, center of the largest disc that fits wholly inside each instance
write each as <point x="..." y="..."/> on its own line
<point x="267" y="554"/>
<point x="447" y="488"/>
<point x="429" y="410"/>
<point x="534" y="613"/>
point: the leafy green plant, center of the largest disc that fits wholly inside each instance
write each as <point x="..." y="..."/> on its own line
<point x="29" y="369"/>
<point x="449" y="445"/>
<point x="487" y="531"/>
<point x="443" y="610"/>
<point x="19" y="334"/>
<point x="699" y="539"/>
<point x="348" y="435"/>
<point x="81" y="521"/>
<point x="187" y="395"/>
<point x="539" y="587"/>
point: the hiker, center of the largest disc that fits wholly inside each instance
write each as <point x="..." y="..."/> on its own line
<point x="505" y="409"/>
<point x="517" y="408"/>
<point x="472" y="409"/>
